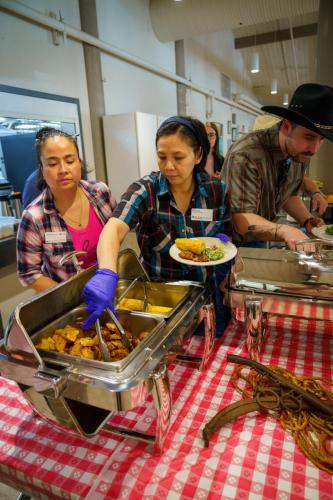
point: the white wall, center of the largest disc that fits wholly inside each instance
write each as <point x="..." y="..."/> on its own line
<point x="126" y="25"/>
<point x="30" y="60"/>
<point x="206" y="57"/>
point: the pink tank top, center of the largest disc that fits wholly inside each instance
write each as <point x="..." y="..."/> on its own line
<point x="86" y="239"/>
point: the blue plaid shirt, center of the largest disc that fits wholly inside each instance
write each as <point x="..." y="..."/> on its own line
<point x="149" y="206"/>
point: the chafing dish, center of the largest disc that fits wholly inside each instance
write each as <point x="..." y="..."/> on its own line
<point x="271" y="281"/>
<point x="80" y="394"/>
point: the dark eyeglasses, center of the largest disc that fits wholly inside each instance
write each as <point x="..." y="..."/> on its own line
<point x="283" y="172"/>
<point x="211" y="134"/>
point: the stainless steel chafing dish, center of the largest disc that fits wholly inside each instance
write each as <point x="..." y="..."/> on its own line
<point x="79" y="393"/>
<point x="270" y="281"/>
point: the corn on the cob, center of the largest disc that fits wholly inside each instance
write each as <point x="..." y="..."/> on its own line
<point x="158" y="309"/>
<point x="137" y="305"/>
<point x="131" y="304"/>
<point x="190" y="244"/>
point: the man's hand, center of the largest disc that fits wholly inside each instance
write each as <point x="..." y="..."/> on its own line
<point x="291" y="235"/>
<point x="312" y="222"/>
<point x="318" y="203"/>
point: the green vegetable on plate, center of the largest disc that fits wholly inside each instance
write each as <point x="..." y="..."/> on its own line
<point x="329" y="230"/>
<point x="214" y="253"/>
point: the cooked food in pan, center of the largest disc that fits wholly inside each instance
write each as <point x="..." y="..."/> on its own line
<point x="74" y="341"/>
<point x="196" y="250"/>
<point x="138" y="305"/>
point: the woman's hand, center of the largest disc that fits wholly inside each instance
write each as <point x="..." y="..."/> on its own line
<point x="98" y="294"/>
<point x="223" y="237"/>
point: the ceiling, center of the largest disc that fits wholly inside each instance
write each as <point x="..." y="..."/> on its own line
<point x="291" y="62"/>
<point x="267" y="24"/>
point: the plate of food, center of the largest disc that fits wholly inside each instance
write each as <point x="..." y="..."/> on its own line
<point x="324" y="232"/>
<point x="202" y="251"/>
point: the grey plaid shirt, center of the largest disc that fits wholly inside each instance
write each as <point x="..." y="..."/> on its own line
<point x="251" y="172"/>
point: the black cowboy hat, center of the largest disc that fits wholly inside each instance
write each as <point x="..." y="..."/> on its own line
<point x="311" y="107"/>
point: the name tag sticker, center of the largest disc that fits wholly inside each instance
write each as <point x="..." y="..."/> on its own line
<point x="56" y="237"/>
<point x="204" y="214"/>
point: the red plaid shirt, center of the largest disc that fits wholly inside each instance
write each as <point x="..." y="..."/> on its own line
<point x="35" y="257"/>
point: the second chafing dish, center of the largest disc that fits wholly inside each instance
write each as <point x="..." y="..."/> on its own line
<point x="273" y="281"/>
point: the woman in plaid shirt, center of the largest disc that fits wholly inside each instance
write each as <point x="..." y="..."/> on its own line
<point x="68" y="215"/>
<point x="180" y="200"/>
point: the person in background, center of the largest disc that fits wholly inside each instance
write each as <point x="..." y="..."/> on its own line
<point x="68" y="215"/>
<point x="179" y="201"/>
<point x="30" y="189"/>
<point x="214" y="159"/>
<point x="309" y="187"/>
<point x="264" y="170"/>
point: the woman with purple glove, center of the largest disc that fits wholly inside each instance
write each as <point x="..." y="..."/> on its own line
<point x="179" y="201"/>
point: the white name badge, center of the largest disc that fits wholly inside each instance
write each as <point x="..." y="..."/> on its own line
<point x="204" y="214"/>
<point x="56" y="237"/>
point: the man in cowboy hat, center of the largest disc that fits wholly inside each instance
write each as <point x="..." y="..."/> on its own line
<point x="309" y="187"/>
<point x="264" y="170"/>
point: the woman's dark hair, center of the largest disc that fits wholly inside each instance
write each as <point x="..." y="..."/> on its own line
<point x="192" y="131"/>
<point x="42" y="136"/>
<point x="218" y="158"/>
<point x="216" y="145"/>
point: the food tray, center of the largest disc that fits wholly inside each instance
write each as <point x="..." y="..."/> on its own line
<point x="158" y="294"/>
<point x="135" y="322"/>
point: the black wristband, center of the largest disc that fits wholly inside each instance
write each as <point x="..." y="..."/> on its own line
<point x="309" y="219"/>
<point x="316" y="192"/>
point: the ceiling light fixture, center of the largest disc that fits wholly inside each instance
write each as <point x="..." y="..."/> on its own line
<point x="285" y="100"/>
<point x="255" y="62"/>
<point x="274" y="87"/>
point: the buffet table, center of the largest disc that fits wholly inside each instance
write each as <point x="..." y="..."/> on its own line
<point x="251" y="458"/>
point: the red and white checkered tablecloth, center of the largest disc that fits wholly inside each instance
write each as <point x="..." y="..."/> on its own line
<point x="251" y="458"/>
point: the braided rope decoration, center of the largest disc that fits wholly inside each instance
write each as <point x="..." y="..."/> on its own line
<point x="312" y="431"/>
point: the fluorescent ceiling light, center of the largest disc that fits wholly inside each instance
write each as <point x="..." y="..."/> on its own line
<point x="285" y="100"/>
<point x="255" y="62"/>
<point x="274" y="87"/>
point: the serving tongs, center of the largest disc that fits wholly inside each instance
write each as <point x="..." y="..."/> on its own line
<point x="132" y="284"/>
<point x="102" y="344"/>
<point x="124" y="339"/>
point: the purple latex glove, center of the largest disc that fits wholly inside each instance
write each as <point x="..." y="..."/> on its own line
<point x="223" y="237"/>
<point x="98" y="294"/>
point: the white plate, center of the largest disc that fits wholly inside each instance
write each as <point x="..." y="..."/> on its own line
<point x="230" y="252"/>
<point x="320" y="233"/>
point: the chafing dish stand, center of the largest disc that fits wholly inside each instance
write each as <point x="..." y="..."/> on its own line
<point x="80" y="394"/>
